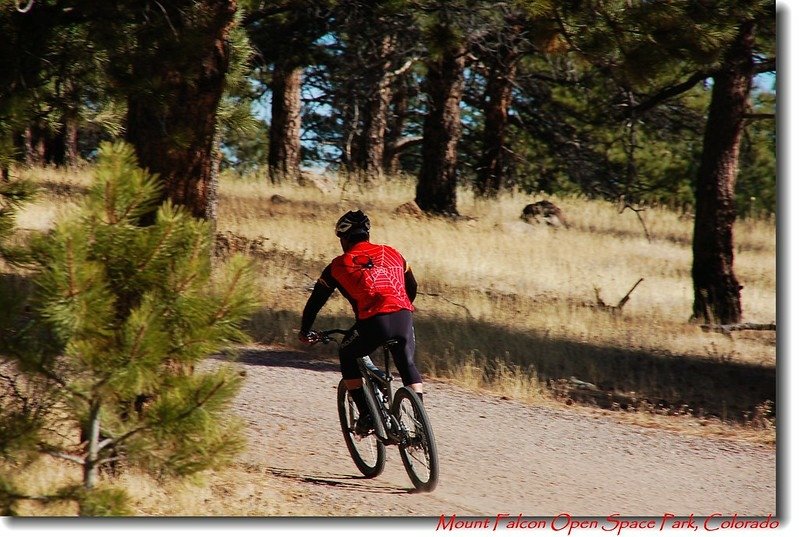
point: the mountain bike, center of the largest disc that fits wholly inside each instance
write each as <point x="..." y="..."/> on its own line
<point x="399" y="419"/>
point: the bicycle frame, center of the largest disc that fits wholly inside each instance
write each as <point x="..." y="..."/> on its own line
<point x="374" y="377"/>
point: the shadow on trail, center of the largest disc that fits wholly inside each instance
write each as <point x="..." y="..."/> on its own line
<point x="285" y="358"/>
<point x="347" y="482"/>
<point x="696" y="384"/>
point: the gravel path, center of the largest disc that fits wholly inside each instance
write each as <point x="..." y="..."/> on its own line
<point x="496" y="456"/>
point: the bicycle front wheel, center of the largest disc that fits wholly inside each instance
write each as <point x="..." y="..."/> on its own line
<point x="418" y="447"/>
<point x="367" y="452"/>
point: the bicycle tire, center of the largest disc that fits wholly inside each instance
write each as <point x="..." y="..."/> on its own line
<point x="367" y="452"/>
<point x="419" y="452"/>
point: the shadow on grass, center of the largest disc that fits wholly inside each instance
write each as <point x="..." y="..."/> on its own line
<point x="63" y="190"/>
<point x="700" y="385"/>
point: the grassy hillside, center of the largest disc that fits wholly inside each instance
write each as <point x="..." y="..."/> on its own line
<point x="504" y="306"/>
<point x="507" y="305"/>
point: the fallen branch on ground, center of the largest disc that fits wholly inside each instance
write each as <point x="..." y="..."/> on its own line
<point x="617" y="308"/>
<point x="727" y="329"/>
<point x="640" y="219"/>
<point x="438" y="295"/>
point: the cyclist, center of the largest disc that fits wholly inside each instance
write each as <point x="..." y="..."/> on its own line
<point x="380" y="286"/>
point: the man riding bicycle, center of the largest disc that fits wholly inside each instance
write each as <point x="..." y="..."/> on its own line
<point x="380" y="286"/>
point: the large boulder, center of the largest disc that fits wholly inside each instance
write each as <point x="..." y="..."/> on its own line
<point x="544" y="211"/>
<point x="409" y="209"/>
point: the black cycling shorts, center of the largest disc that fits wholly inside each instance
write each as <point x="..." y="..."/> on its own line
<point x="369" y="334"/>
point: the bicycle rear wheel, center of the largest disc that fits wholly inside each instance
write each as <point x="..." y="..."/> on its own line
<point x="367" y="452"/>
<point x="418" y="449"/>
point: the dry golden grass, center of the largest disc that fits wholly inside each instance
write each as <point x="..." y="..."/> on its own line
<point x="489" y="268"/>
<point x="494" y="267"/>
<point x="495" y="290"/>
<point x="499" y="299"/>
<point x="238" y="490"/>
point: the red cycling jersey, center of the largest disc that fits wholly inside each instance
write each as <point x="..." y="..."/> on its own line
<point x="371" y="277"/>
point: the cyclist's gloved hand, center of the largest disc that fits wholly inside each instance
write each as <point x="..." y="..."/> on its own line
<point x="310" y="337"/>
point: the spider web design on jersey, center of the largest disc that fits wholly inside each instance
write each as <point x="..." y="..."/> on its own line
<point x="383" y="270"/>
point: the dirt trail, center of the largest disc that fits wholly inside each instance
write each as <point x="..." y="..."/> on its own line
<point x="497" y="456"/>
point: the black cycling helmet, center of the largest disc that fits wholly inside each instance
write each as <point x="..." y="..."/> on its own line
<point x="352" y="224"/>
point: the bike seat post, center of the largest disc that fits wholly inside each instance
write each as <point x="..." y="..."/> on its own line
<point x="387" y="353"/>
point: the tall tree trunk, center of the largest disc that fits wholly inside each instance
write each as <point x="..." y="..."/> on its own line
<point x="172" y="128"/>
<point x="350" y="118"/>
<point x="70" y="116"/>
<point x="43" y="147"/>
<point x="376" y="120"/>
<point x="490" y="168"/>
<point x="284" y="132"/>
<point x="71" y="155"/>
<point x="438" y="177"/>
<point x="717" y="295"/>
<point x="34" y="146"/>
<point x="396" y="125"/>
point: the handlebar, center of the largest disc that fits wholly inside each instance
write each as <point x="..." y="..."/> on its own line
<point x="324" y="336"/>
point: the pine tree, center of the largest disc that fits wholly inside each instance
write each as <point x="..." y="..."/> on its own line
<point x="13" y="195"/>
<point x="169" y="62"/>
<point x="728" y="42"/>
<point x="445" y="64"/>
<point x="284" y="34"/>
<point x="101" y="368"/>
<point x="54" y="97"/>
<point x="379" y="42"/>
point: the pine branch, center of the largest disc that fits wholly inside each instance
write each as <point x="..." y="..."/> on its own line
<point x="137" y="342"/>
<point x="72" y="291"/>
<point x="165" y="235"/>
<point x="258" y="15"/>
<point x="760" y="116"/>
<point x="225" y="306"/>
<point x="403" y="68"/>
<point x="566" y="35"/>
<point x="618" y="307"/>
<point x="199" y="404"/>
<point x="16" y="496"/>
<point x="668" y="92"/>
<point x="61" y="382"/>
<point x="766" y="66"/>
<point x="406" y="142"/>
<point x="624" y="300"/>
<point x="192" y="274"/>
<point x="139" y="199"/>
<point x="113" y="442"/>
<point x="65" y="456"/>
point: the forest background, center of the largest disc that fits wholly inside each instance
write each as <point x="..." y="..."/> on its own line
<point x="579" y="109"/>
